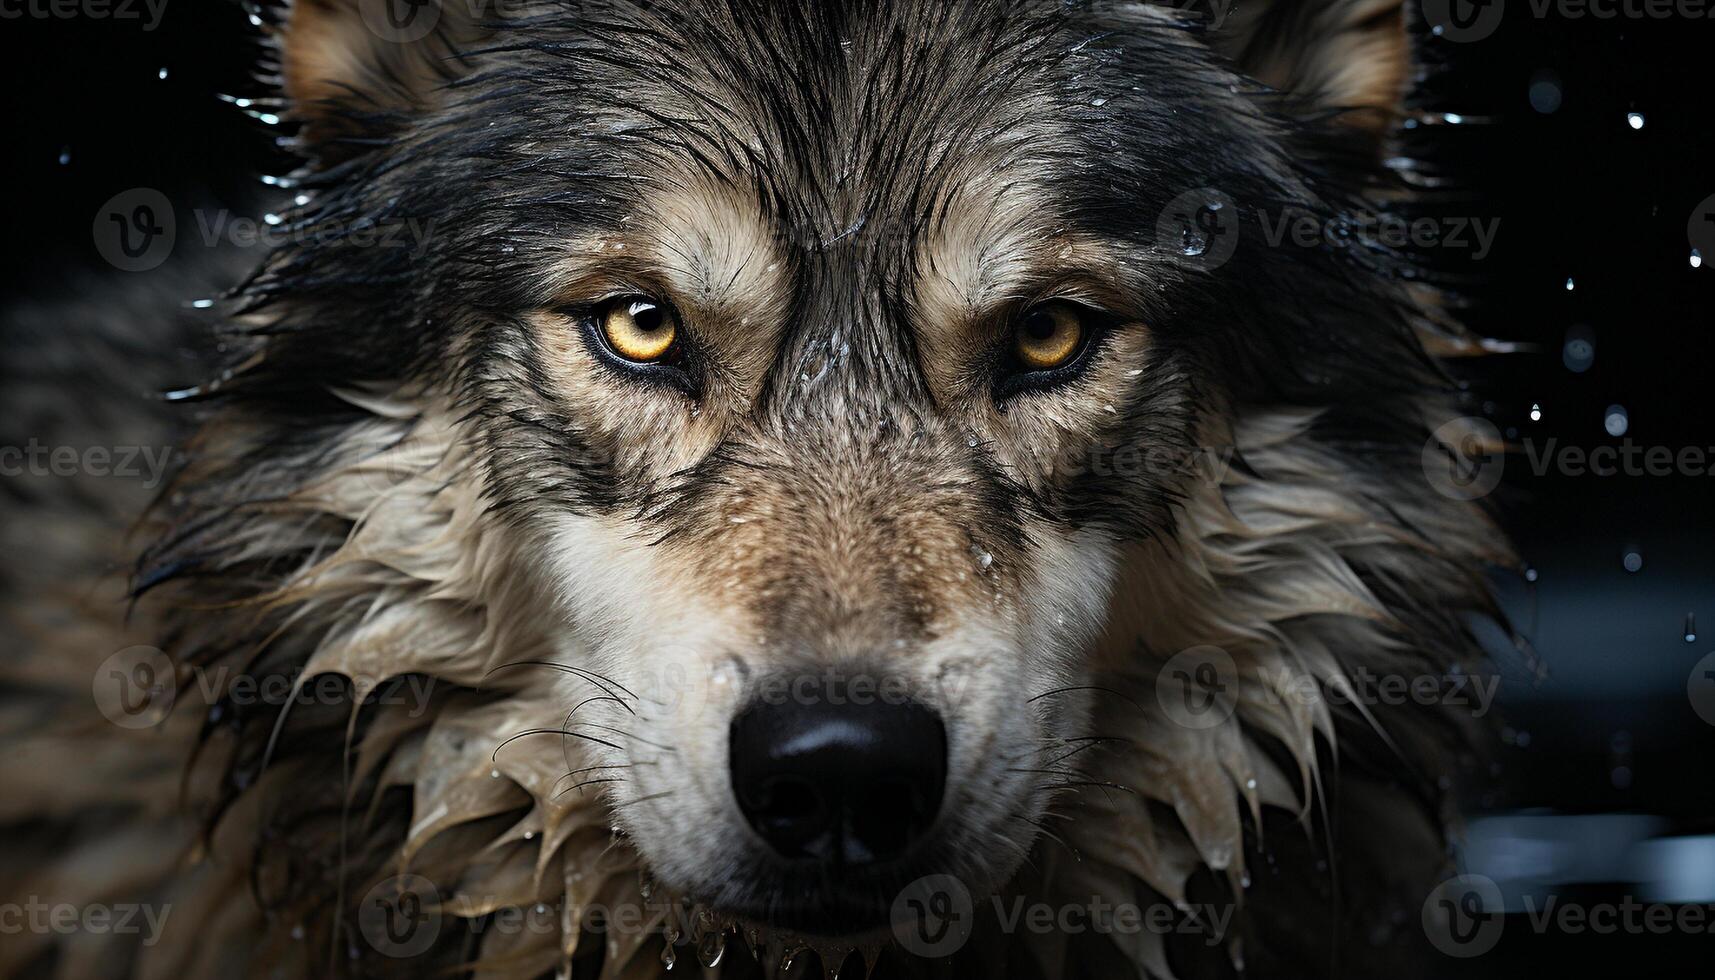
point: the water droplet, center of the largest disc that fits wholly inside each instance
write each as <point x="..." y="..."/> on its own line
<point x="1633" y="561"/>
<point x="162" y="74"/>
<point x="201" y="304"/>
<point x="1616" y="421"/>
<point x="271" y="219"/>
<point x="1696" y="259"/>
<point x="494" y="774"/>
<point x="668" y="957"/>
<point x="1545" y="93"/>
<point x="1454" y="119"/>
<point x="65" y="155"/>
<point x="1635" y="120"/>
<point x="711" y="948"/>
<point x="1098" y="103"/>
<point x="1570" y="284"/>
<point x="1531" y="575"/>
<point x="1536" y="413"/>
<point x="1691" y="627"/>
<point x="1578" y="352"/>
<point x="529" y="835"/>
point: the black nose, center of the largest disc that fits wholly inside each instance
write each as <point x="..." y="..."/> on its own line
<point x="846" y="784"/>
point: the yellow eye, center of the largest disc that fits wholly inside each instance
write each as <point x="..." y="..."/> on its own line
<point x="1048" y="336"/>
<point x="639" y="329"/>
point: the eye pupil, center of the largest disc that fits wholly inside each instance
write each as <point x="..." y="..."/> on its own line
<point x="1048" y="336"/>
<point x="647" y="316"/>
<point x="639" y="330"/>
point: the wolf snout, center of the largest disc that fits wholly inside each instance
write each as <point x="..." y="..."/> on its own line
<point x="843" y="785"/>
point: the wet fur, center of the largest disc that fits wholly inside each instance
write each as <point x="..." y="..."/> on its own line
<point x="386" y="482"/>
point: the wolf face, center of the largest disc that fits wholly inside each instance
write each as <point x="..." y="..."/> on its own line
<point x="839" y="403"/>
<point x="806" y="385"/>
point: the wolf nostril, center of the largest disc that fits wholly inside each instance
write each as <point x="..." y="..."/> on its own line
<point x="846" y="784"/>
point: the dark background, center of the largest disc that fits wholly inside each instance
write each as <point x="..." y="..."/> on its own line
<point x="1579" y="193"/>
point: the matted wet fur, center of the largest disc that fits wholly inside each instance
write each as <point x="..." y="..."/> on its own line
<point x="419" y="472"/>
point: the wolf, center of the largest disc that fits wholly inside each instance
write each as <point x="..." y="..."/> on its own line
<point x="837" y="479"/>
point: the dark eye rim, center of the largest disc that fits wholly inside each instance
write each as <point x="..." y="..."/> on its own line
<point x="678" y="368"/>
<point x="1013" y="377"/>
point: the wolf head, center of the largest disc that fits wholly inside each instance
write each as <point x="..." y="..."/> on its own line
<point x="822" y="425"/>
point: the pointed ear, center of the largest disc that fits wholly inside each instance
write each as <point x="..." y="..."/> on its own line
<point x="347" y="65"/>
<point x="1352" y="57"/>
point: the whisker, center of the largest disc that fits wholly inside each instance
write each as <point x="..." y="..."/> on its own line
<point x="494" y="756"/>
<point x="1084" y="784"/>
<point x="589" y="675"/>
<point x="1051" y="835"/>
<point x="643" y="799"/>
<point x="600" y="697"/>
<point x="621" y="731"/>
<point x="587" y="782"/>
<point x="576" y="772"/>
<point x="1023" y="851"/>
<point x="1085" y="687"/>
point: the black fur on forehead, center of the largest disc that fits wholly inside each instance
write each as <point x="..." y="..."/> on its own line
<point x="569" y="113"/>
